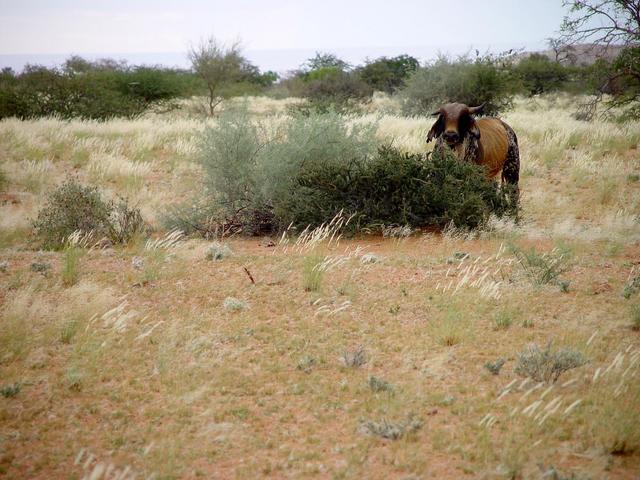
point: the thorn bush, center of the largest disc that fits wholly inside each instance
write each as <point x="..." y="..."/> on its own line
<point x="74" y="207"/>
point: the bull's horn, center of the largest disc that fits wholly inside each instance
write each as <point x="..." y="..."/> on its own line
<point x="437" y="112"/>
<point x="474" y="110"/>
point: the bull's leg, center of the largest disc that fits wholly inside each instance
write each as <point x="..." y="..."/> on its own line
<point x="511" y="167"/>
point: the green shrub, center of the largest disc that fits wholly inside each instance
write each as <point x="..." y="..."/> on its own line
<point x="391" y="430"/>
<point x="125" y="222"/>
<point x="466" y="80"/>
<point x="317" y="166"/>
<point x="74" y="207"/>
<point x="495" y="366"/>
<point x="10" y="390"/>
<point x="538" y="74"/>
<point x="387" y="74"/>
<point x="69" y="208"/>
<point x="390" y="187"/>
<point x="547" y="365"/>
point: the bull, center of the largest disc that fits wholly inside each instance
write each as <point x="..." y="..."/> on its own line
<point x="488" y="141"/>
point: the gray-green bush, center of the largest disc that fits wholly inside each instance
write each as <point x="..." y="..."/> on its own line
<point x="318" y="165"/>
<point x="74" y="207"/>
<point x="465" y="80"/>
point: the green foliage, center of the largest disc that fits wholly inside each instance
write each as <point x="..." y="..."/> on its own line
<point x="69" y="208"/>
<point x="318" y="165"/>
<point x="547" y="365"/>
<point x="502" y="320"/>
<point x="635" y="317"/>
<point x="312" y="273"/>
<point x="224" y="71"/>
<point x="631" y="287"/>
<point x="387" y="74"/>
<point x="70" y="260"/>
<point x="390" y="187"/>
<point x="379" y="385"/>
<point x="74" y="207"/>
<point x="539" y="74"/>
<point x="10" y="390"/>
<point x="391" y="430"/>
<point x="328" y="84"/>
<point x="323" y="60"/>
<point x="97" y="90"/>
<point x="542" y="268"/>
<point x="470" y="81"/>
<point x="495" y="366"/>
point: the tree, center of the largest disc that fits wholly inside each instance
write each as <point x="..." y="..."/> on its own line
<point x="538" y="74"/>
<point x="607" y="23"/>
<point x="218" y="66"/>
<point x="326" y="60"/>
<point x="388" y="74"/>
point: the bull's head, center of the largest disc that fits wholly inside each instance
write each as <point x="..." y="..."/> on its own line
<point x="455" y="121"/>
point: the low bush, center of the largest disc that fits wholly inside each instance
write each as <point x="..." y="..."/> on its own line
<point x="316" y="166"/>
<point x="391" y="430"/>
<point x="546" y="365"/>
<point x="472" y="81"/>
<point x="73" y="207"/>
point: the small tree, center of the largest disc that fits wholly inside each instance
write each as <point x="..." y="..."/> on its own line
<point x="388" y="74"/>
<point x="607" y="23"/>
<point x="538" y="74"/>
<point x="218" y="66"/>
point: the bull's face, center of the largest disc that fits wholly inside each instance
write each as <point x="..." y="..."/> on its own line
<point x="455" y="121"/>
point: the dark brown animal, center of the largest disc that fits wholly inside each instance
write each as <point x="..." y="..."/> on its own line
<point x="486" y="141"/>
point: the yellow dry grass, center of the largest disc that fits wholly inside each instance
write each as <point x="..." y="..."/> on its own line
<point x="141" y="368"/>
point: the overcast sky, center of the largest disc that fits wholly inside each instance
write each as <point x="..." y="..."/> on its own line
<point x="144" y="26"/>
<point x="122" y="26"/>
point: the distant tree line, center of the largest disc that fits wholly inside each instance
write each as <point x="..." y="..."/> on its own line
<point x="108" y="88"/>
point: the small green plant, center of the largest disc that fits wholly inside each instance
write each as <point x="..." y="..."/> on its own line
<point x="635" y="317"/>
<point x="502" y="321"/>
<point x="234" y="304"/>
<point x="218" y="251"/>
<point x="542" y="268"/>
<point x="450" y="330"/>
<point x="379" y="385"/>
<point x="41" y="267"/>
<point x="354" y="358"/>
<point x="68" y="331"/>
<point x="369" y="258"/>
<point x="10" y="390"/>
<point x="631" y="287"/>
<point x="546" y="365"/>
<point x="70" y="260"/>
<point x="74" y="379"/>
<point x="391" y="430"/>
<point x="306" y="363"/>
<point x="312" y="273"/>
<point x="495" y="366"/>
<point x="564" y="285"/>
<point x="125" y="222"/>
<point x="527" y="323"/>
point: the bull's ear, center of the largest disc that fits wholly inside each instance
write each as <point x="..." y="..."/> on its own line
<point x="473" y="129"/>
<point x="436" y="129"/>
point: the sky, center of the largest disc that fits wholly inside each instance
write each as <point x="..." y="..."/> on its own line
<point x="54" y="28"/>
